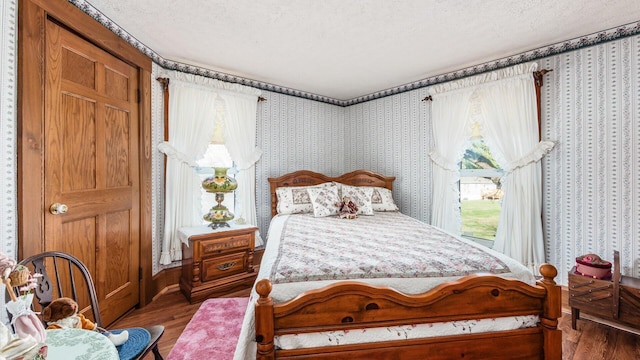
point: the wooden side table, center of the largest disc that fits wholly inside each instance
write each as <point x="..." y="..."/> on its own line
<point x="216" y="262"/>
<point x="594" y="296"/>
<point x="616" y="299"/>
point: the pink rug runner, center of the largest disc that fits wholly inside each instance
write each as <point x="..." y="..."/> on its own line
<point x="212" y="332"/>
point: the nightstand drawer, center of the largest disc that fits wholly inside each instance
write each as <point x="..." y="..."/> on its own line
<point x="223" y="266"/>
<point x="224" y="244"/>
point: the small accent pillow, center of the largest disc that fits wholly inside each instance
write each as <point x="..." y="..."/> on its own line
<point x="325" y="201"/>
<point x="295" y="199"/>
<point x="361" y="195"/>
<point x="382" y="200"/>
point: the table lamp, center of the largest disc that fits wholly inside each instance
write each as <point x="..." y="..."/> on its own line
<point x="220" y="183"/>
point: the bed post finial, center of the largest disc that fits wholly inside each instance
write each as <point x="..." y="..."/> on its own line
<point x="263" y="288"/>
<point x="548" y="272"/>
<point x="552" y="311"/>
<point x="264" y="321"/>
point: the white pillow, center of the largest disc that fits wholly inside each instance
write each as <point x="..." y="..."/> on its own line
<point x="295" y="199"/>
<point x="382" y="200"/>
<point x="325" y="201"/>
<point x="361" y="196"/>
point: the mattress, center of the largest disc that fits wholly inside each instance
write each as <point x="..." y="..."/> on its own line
<point x="386" y="249"/>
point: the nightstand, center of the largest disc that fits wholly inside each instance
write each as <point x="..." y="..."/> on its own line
<point x="216" y="262"/>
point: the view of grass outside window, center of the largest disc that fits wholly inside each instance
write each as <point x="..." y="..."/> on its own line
<point x="480" y="192"/>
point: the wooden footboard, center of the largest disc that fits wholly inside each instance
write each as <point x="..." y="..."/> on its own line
<point x="349" y="305"/>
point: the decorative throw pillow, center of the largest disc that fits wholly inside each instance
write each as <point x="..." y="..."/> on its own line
<point x="325" y="201"/>
<point x="361" y="195"/>
<point x="295" y="199"/>
<point x="382" y="200"/>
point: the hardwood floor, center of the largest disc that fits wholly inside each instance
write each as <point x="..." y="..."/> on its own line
<point x="596" y="341"/>
<point x="591" y="341"/>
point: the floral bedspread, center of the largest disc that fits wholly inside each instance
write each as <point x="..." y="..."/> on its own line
<point x="389" y="246"/>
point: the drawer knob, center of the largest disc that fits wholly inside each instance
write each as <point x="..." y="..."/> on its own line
<point x="226" y="266"/>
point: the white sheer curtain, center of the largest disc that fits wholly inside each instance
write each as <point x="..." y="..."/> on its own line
<point x="240" y="139"/>
<point x="507" y="102"/>
<point x="509" y="113"/>
<point x="191" y="114"/>
<point x="450" y="112"/>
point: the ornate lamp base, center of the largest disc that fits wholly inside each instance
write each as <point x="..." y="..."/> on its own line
<point x="218" y="225"/>
<point x="218" y="215"/>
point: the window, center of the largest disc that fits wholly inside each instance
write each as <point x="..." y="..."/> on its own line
<point x="218" y="156"/>
<point x="480" y="191"/>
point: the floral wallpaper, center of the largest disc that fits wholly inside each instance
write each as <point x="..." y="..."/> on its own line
<point x="392" y="136"/>
<point x="591" y="107"/>
<point x="296" y="134"/>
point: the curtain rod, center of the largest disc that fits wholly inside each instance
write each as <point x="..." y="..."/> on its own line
<point x="164" y="82"/>
<point x="165" y="87"/>
<point x="537" y="77"/>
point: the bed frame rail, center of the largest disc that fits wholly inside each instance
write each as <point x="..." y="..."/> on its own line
<point x="349" y="305"/>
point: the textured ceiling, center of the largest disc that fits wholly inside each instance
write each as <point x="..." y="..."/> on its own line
<point x="343" y="49"/>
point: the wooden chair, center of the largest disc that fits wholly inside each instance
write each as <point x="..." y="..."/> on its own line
<point x="64" y="275"/>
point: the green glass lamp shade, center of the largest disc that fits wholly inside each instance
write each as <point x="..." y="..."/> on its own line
<point x="219" y="182"/>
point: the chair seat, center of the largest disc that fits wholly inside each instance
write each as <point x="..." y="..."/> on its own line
<point x="156" y="332"/>
<point x="137" y="343"/>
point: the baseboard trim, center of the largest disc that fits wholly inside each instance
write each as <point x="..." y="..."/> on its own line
<point x="165" y="281"/>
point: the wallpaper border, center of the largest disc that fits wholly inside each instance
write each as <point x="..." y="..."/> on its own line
<point x="536" y="54"/>
<point x="619" y="32"/>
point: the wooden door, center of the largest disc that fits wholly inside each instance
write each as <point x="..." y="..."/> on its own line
<point x="91" y="165"/>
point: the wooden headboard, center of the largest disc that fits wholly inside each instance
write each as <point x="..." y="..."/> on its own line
<point x="308" y="178"/>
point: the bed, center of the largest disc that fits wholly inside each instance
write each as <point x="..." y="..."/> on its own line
<point x="487" y="306"/>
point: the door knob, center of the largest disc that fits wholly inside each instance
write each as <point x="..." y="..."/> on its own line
<point x="58" y="208"/>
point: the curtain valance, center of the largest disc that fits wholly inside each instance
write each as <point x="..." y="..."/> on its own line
<point x="209" y="84"/>
<point x="524" y="69"/>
